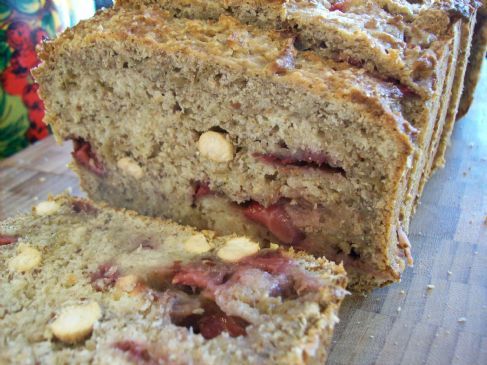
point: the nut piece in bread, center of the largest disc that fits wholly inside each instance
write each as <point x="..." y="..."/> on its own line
<point x="216" y="147"/>
<point x="75" y="323"/>
<point x="197" y="244"/>
<point x="27" y="259"/>
<point x="238" y="248"/>
<point x="46" y="208"/>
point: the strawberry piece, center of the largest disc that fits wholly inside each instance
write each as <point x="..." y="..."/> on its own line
<point x="214" y="324"/>
<point x="136" y="351"/>
<point x="86" y="157"/>
<point x="271" y="261"/>
<point x="7" y="240"/>
<point x="105" y="277"/>
<point x="83" y="206"/>
<point x="205" y="275"/>
<point x="201" y="189"/>
<point x="340" y="5"/>
<point x="304" y="159"/>
<point x="276" y="220"/>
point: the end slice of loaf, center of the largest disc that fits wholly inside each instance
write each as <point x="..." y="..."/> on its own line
<point x="477" y="55"/>
<point x="83" y="283"/>
<point x="226" y="126"/>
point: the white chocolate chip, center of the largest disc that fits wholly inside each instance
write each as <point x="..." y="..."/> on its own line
<point x="75" y="323"/>
<point x="47" y="208"/>
<point x="127" y="283"/>
<point x="237" y="248"/>
<point x="130" y="167"/>
<point x="197" y="244"/>
<point x="27" y="259"/>
<point x="216" y="147"/>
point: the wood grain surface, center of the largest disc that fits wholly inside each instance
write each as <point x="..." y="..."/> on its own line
<point x="436" y="315"/>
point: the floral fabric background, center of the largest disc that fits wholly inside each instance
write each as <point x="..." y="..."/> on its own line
<point x="23" y="25"/>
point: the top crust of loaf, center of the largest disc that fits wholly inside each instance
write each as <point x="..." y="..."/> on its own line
<point x="400" y="40"/>
<point x="232" y="45"/>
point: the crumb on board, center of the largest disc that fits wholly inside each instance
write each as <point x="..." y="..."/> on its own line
<point x="462" y="320"/>
<point x="430" y="286"/>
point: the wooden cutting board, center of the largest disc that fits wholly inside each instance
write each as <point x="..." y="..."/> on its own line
<point x="436" y="315"/>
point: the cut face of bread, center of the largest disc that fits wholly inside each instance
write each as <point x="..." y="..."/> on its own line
<point x="117" y="288"/>
<point x="231" y="128"/>
<point x="420" y="46"/>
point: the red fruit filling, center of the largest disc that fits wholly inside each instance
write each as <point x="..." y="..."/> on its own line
<point x="205" y="317"/>
<point x="84" y="155"/>
<point x="306" y="159"/>
<point x="83" y="206"/>
<point x="340" y="5"/>
<point x="136" y="351"/>
<point x="274" y="217"/>
<point x="201" y="189"/>
<point x="205" y="274"/>
<point x="276" y="220"/>
<point x="7" y="240"/>
<point x="197" y="289"/>
<point x="104" y="277"/>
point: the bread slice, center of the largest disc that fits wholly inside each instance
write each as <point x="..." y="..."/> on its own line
<point x="467" y="29"/>
<point x="84" y="283"/>
<point x="477" y="55"/>
<point x="226" y="126"/>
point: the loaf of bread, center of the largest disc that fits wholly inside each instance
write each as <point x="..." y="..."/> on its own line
<point x="227" y="126"/>
<point x="86" y="284"/>
<point x="423" y="47"/>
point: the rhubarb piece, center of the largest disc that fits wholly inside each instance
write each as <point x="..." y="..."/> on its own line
<point x="105" y="277"/>
<point x="276" y="220"/>
<point x="302" y="159"/>
<point x="84" y="155"/>
<point x="7" y="240"/>
<point x="165" y="305"/>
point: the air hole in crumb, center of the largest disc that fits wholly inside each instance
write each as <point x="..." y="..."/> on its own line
<point x="125" y="65"/>
<point x="282" y="144"/>
<point x="176" y="108"/>
<point x="218" y="129"/>
<point x="354" y="254"/>
<point x="272" y="177"/>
